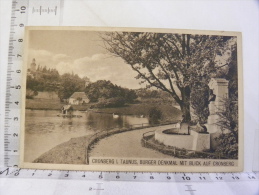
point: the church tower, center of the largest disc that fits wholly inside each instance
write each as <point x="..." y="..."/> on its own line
<point x="33" y="65"/>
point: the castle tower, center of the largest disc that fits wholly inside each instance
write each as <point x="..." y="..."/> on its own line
<point x="33" y="65"/>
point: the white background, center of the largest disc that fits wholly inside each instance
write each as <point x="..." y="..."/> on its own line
<point x="231" y="15"/>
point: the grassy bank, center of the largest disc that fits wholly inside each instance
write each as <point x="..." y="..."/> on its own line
<point x="70" y="152"/>
<point x="45" y="104"/>
<point x="169" y="112"/>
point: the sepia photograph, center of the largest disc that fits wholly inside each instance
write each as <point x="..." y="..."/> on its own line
<point x="132" y="99"/>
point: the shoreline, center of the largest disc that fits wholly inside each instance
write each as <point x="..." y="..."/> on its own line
<point x="76" y="150"/>
<point x="69" y="152"/>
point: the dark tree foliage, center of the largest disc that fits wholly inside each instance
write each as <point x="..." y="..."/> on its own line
<point x="228" y="140"/>
<point x="169" y="62"/>
<point x="155" y="115"/>
<point x="232" y="75"/>
<point x="43" y="79"/>
<point x="107" y="94"/>
<point x="199" y="101"/>
<point x="70" y="83"/>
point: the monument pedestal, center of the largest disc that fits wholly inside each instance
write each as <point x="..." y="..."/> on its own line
<point x="220" y="90"/>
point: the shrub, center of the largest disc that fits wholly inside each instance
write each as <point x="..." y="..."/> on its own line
<point x="155" y="115"/>
<point x="228" y="145"/>
<point x="111" y="102"/>
<point x="228" y="140"/>
<point x="199" y="101"/>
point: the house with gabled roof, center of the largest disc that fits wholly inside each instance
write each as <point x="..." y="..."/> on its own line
<point x="78" y="98"/>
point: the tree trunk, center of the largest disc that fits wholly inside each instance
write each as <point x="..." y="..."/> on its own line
<point x="185" y="106"/>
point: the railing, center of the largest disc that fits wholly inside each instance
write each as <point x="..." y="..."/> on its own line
<point x="174" y="151"/>
<point x="108" y="132"/>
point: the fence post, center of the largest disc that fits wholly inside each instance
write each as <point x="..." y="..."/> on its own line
<point x="87" y="160"/>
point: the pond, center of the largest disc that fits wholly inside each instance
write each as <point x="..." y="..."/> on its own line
<point x="45" y="130"/>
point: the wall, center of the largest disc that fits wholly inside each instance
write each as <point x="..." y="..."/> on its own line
<point x="179" y="141"/>
<point x="200" y="141"/>
<point x="194" y="141"/>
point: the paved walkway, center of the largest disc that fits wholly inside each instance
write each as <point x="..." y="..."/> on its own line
<point x="127" y="144"/>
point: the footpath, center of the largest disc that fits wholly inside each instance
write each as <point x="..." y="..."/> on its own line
<point x="126" y="145"/>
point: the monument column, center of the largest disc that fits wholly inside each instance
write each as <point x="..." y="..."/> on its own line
<point x="219" y="88"/>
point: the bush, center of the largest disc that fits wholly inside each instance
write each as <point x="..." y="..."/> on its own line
<point x="228" y="145"/>
<point x="199" y="102"/>
<point x="155" y="115"/>
<point x="111" y="102"/>
<point x="228" y="140"/>
<point x="30" y="94"/>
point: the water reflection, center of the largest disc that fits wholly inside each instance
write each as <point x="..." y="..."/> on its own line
<point x="44" y="129"/>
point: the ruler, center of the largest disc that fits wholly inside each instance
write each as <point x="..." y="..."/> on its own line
<point x="13" y="84"/>
<point x="23" y="12"/>
<point x="129" y="176"/>
<point x="31" y="12"/>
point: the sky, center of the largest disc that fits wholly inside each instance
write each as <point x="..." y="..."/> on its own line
<point x="83" y="53"/>
<point x="80" y="52"/>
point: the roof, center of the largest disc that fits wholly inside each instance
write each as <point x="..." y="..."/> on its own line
<point x="79" y="95"/>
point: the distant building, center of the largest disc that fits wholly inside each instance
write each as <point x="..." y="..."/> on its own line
<point x="78" y="98"/>
<point x="32" y="68"/>
<point x="67" y="109"/>
<point x="33" y="65"/>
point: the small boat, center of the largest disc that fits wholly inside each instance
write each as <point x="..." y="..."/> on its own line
<point x="115" y="115"/>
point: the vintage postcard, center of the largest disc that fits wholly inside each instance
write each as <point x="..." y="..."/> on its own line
<point x="125" y="99"/>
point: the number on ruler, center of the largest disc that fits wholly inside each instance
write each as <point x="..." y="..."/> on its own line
<point x="20" y="40"/>
<point x="18" y="71"/>
<point x="18" y="87"/>
<point x="23" y="8"/>
<point x="235" y="177"/>
<point x="15" y="118"/>
<point x="186" y="178"/>
<point x="15" y="134"/>
<point x="202" y="178"/>
<point x="219" y="178"/>
<point x="251" y="177"/>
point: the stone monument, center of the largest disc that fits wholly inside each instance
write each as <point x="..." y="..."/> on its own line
<point x="219" y="92"/>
